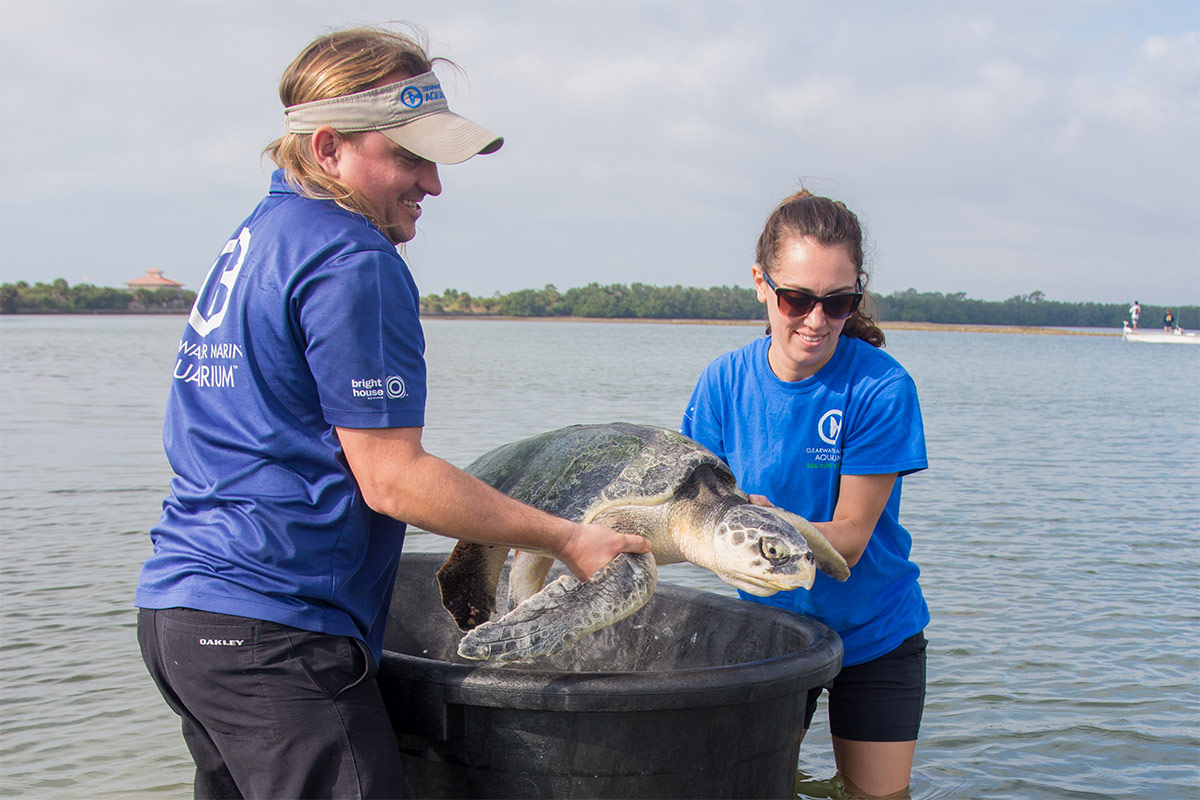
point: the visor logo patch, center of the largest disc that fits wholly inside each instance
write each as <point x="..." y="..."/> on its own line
<point x="412" y="97"/>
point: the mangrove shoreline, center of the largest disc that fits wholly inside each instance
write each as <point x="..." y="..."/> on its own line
<point x="719" y="305"/>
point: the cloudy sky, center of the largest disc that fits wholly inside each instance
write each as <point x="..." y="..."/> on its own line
<point x="990" y="148"/>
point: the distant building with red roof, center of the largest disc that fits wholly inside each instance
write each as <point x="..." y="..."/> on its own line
<point x="153" y="279"/>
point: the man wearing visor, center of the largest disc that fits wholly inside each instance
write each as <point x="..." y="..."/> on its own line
<point x="294" y="426"/>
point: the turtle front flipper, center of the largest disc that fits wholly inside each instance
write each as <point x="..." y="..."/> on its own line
<point x="468" y="582"/>
<point x="829" y="560"/>
<point x="565" y="611"/>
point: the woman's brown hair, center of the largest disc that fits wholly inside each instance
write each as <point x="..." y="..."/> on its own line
<point x="829" y="222"/>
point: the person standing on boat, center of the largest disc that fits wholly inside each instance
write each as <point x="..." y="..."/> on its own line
<point x="294" y="426"/>
<point x="1135" y="311"/>
<point x="1168" y="321"/>
<point x="815" y="418"/>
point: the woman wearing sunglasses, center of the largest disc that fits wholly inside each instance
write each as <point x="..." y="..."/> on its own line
<point x="817" y="419"/>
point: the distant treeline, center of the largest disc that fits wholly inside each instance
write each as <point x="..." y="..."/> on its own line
<point x="637" y="301"/>
<point x="1026" y="309"/>
<point x="84" y="298"/>
<point x="604" y="302"/>
<point x="640" y="301"/>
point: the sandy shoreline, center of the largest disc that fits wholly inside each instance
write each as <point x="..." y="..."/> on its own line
<point x="887" y="326"/>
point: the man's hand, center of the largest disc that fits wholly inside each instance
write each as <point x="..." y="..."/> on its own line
<point x="592" y="546"/>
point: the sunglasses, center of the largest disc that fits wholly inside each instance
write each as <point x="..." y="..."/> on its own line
<point x="798" y="303"/>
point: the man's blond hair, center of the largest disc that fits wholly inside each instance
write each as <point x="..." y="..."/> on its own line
<point x="337" y="64"/>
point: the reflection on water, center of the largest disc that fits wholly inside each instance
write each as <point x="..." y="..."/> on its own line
<point x="1056" y="529"/>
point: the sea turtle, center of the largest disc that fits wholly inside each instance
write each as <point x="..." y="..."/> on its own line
<point x="635" y="479"/>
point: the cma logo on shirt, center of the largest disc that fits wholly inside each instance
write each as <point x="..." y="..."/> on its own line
<point x="208" y="312"/>
<point x="211" y="364"/>
<point x="392" y="386"/>
<point x="829" y="428"/>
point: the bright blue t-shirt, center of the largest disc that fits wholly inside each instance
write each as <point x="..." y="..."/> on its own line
<point x="307" y="320"/>
<point x="792" y="442"/>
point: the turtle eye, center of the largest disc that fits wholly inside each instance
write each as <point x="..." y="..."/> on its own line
<point x="773" y="549"/>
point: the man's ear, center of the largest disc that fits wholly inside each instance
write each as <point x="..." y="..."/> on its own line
<point x="326" y="147"/>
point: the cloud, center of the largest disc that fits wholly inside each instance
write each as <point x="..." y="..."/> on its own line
<point x="992" y="148"/>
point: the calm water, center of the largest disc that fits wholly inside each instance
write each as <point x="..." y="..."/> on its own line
<point x="1057" y="531"/>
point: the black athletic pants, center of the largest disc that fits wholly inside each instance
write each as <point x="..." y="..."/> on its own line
<point x="271" y="711"/>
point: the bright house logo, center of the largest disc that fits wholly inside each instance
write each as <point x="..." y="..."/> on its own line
<point x="830" y="426"/>
<point x="366" y="387"/>
<point x="392" y="386"/>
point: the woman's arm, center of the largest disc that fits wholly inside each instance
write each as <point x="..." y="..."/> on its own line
<point x="861" y="499"/>
<point x="398" y="478"/>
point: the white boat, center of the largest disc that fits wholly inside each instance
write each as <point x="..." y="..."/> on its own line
<point x="1177" y="336"/>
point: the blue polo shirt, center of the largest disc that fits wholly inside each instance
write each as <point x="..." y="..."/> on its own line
<point x="307" y="320"/>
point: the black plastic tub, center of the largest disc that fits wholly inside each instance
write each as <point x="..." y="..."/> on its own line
<point x="695" y="695"/>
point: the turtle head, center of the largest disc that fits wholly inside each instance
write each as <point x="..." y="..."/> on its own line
<point x="760" y="553"/>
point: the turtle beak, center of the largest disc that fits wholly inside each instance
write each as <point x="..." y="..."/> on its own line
<point x="759" y="586"/>
<point x="792" y="571"/>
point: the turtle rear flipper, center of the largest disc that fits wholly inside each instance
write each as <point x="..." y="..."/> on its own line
<point x="468" y="582"/>
<point x="565" y="611"/>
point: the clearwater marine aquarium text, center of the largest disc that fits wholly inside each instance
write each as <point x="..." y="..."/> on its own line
<point x="214" y="376"/>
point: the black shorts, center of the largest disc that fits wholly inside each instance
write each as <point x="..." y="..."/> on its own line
<point x="877" y="701"/>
